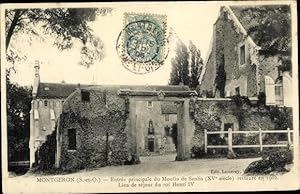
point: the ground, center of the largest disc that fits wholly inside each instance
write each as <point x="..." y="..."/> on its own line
<point x="165" y="165"/>
<point x="152" y="166"/>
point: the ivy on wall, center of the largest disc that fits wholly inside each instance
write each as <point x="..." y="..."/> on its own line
<point x="251" y="116"/>
<point x="101" y="136"/>
<point x="220" y="79"/>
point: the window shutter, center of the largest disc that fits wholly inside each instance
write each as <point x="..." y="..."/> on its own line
<point x="287" y="88"/>
<point x="270" y="90"/>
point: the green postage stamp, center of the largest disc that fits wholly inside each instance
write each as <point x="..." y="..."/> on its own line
<point x="142" y="44"/>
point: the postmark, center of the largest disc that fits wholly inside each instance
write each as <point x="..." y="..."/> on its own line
<point x="142" y="45"/>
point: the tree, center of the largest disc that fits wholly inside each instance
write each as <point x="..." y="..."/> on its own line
<point x="186" y="65"/>
<point x="272" y="29"/>
<point x="65" y="25"/>
<point x="196" y="64"/>
<point x="180" y="65"/>
<point x="18" y="121"/>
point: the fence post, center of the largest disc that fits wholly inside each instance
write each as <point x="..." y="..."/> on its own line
<point x="230" y="140"/>
<point x="260" y="140"/>
<point x="289" y="138"/>
<point x="205" y="140"/>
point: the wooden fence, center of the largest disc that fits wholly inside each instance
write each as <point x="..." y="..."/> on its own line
<point x="260" y="132"/>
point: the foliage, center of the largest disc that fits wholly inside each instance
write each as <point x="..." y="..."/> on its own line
<point x="240" y="100"/>
<point x="101" y="125"/>
<point x="18" y="120"/>
<point x="198" y="152"/>
<point x="261" y="99"/>
<point x="174" y="134"/>
<point x="46" y="153"/>
<point x="269" y="26"/>
<point x="206" y="93"/>
<point x="65" y="25"/>
<point x="282" y="117"/>
<point x="180" y="65"/>
<point x="186" y="66"/>
<point x="196" y="65"/>
<point x="273" y="161"/>
<point x="220" y="79"/>
<point x="286" y="64"/>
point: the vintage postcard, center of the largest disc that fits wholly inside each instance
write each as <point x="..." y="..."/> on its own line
<point x="149" y="97"/>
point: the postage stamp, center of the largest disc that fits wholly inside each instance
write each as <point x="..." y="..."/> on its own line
<point x="142" y="44"/>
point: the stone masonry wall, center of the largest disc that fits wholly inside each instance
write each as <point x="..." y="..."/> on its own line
<point x="249" y="77"/>
<point x="105" y="115"/>
<point x="211" y="114"/>
<point x="230" y="39"/>
<point x="143" y="115"/>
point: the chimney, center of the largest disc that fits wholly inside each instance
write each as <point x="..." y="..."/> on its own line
<point x="37" y="68"/>
<point x="36" y="81"/>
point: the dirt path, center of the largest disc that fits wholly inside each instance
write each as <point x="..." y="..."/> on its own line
<point x="161" y="165"/>
<point x="166" y="165"/>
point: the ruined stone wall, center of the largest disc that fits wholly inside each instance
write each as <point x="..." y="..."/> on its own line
<point x="208" y="80"/>
<point x="237" y="74"/>
<point x="104" y="116"/>
<point x="211" y="114"/>
<point x="227" y="40"/>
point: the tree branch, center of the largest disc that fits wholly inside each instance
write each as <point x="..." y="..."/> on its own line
<point x="12" y="27"/>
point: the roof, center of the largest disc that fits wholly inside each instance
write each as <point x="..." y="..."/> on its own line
<point x="168" y="108"/>
<point x="56" y="90"/>
<point x="62" y="90"/>
<point x="142" y="87"/>
<point x="268" y="25"/>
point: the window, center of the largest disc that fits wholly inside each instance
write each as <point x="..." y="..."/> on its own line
<point x="167" y="117"/>
<point x="45" y="103"/>
<point x="242" y="55"/>
<point x="270" y="90"/>
<point x="237" y="91"/>
<point x="85" y="96"/>
<point x="150" y="104"/>
<point x="72" y="139"/>
<point x="150" y="128"/>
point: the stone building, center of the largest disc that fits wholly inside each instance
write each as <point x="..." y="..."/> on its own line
<point x="107" y="124"/>
<point x="156" y="120"/>
<point x="48" y="100"/>
<point x="247" y="57"/>
<point x="46" y="106"/>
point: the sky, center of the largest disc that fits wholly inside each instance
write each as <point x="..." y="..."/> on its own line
<point x="190" y="21"/>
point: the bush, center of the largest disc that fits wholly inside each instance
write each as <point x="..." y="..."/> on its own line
<point x="198" y="152"/>
<point x="272" y="161"/>
<point x="246" y="139"/>
<point x="46" y="153"/>
<point x="132" y="159"/>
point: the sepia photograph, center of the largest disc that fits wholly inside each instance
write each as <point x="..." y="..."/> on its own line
<point x="149" y="97"/>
